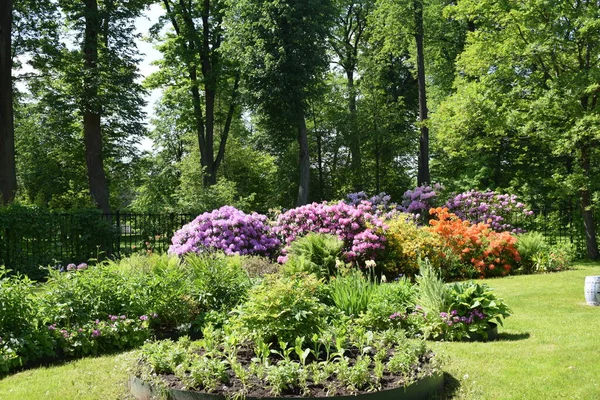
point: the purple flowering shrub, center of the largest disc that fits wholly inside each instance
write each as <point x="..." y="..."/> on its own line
<point x="356" y="226"/>
<point x="380" y="205"/>
<point x="496" y="209"/>
<point x="421" y="199"/>
<point x="227" y="229"/>
<point x="100" y="336"/>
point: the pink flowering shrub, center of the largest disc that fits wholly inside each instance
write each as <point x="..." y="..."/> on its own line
<point x="227" y="229"/>
<point x="361" y="231"/>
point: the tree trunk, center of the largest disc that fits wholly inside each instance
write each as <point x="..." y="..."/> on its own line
<point x="586" y="208"/>
<point x="304" y="161"/>
<point x="320" y="164"/>
<point x="354" y="133"/>
<point x="423" y="176"/>
<point x="8" y="175"/>
<point x="92" y="134"/>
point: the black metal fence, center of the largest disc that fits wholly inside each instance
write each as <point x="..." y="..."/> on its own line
<point x="33" y="239"/>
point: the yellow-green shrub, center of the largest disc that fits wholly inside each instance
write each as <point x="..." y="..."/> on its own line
<point x="405" y="243"/>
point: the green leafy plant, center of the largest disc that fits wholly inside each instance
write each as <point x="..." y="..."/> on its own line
<point x="387" y="299"/>
<point x="351" y="292"/>
<point x="219" y="281"/>
<point x="432" y="293"/>
<point x="530" y="245"/>
<point x="22" y="338"/>
<point x="314" y="253"/>
<point x="282" y="308"/>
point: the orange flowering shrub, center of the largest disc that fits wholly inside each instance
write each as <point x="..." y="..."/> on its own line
<point x="491" y="253"/>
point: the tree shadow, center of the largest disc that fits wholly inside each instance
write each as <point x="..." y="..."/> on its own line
<point x="513" y="337"/>
<point x="451" y="386"/>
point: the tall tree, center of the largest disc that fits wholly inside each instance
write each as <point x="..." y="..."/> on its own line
<point x="346" y="40"/>
<point x="537" y="62"/>
<point x="91" y="107"/>
<point x="400" y="24"/>
<point x="282" y="49"/>
<point x="423" y="175"/>
<point x="93" y="67"/>
<point x="8" y="175"/>
<point x="193" y="58"/>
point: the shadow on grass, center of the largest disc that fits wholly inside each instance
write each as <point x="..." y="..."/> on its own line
<point x="512" y="337"/>
<point x="451" y="386"/>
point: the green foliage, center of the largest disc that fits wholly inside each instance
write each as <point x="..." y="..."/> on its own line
<point x="433" y="295"/>
<point x="352" y="292"/>
<point x="529" y="245"/>
<point x="164" y="356"/>
<point x="21" y="340"/>
<point x="388" y="298"/>
<point x="359" y="362"/>
<point x="136" y="286"/>
<point x="523" y="115"/>
<point x="219" y="282"/>
<point x="470" y="295"/>
<point x="258" y="266"/>
<point x="281" y="308"/>
<point x="557" y="257"/>
<point x="281" y="50"/>
<point x="537" y="255"/>
<point x="314" y="253"/>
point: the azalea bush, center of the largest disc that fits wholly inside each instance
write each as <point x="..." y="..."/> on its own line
<point x="490" y="253"/>
<point x="498" y="210"/>
<point x="359" y="229"/>
<point x="227" y="229"/>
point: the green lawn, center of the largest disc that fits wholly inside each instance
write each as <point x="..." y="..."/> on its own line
<point x="102" y="378"/>
<point x="549" y="349"/>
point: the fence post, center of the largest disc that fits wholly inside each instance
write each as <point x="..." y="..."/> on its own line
<point x="118" y="234"/>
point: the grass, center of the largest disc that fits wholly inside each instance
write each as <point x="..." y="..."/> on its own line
<point x="547" y="350"/>
<point x="86" y="379"/>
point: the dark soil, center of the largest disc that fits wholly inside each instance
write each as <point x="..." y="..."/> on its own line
<point x="331" y="387"/>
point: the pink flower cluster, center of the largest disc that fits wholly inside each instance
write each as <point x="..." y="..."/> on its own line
<point x="227" y="229"/>
<point x="360" y="230"/>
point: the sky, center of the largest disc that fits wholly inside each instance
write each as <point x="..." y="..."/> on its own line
<point x="148" y="54"/>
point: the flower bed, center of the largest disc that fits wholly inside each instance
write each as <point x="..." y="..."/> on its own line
<point x="369" y="364"/>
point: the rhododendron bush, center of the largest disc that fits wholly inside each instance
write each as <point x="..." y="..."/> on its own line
<point x="491" y="253"/>
<point x="497" y="210"/>
<point x="421" y="199"/>
<point x="356" y="226"/>
<point x="227" y="229"/>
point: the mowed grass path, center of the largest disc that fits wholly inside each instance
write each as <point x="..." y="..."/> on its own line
<point x="549" y="349"/>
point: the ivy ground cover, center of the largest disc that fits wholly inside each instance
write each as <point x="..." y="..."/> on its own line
<point x="545" y="351"/>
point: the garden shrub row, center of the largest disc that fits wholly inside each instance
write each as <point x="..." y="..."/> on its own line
<point x="113" y="305"/>
<point x="394" y="240"/>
